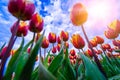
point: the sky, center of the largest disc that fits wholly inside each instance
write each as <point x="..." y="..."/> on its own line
<point x="56" y="15"/>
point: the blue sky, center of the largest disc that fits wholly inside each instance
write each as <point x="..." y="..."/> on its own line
<point x="56" y="15"/>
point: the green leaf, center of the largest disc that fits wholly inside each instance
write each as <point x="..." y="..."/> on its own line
<point x="20" y="64"/>
<point x="91" y="70"/>
<point x="66" y="69"/>
<point x="116" y="77"/>
<point x="44" y="74"/>
<point x="45" y="62"/>
<point x="28" y="68"/>
<point x="118" y="50"/>
<point x="35" y="74"/>
<point x="56" y="63"/>
<point x="13" y="61"/>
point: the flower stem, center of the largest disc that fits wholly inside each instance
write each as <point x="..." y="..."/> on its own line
<point x="94" y="55"/>
<point x="9" y="47"/>
<point x="44" y="53"/>
<point x="32" y="42"/>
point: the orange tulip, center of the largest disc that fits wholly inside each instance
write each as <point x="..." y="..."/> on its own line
<point x="52" y="37"/>
<point x="98" y="39"/>
<point x="36" y="23"/>
<point x="66" y="44"/>
<point x="78" y="14"/>
<point x="115" y="25"/>
<point x="89" y="53"/>
<point x="93" y="43"/>
<point x="22" y="29"/>
<point x="110" y="34"/>
<point x="77" y="41"/>
<point x="64" y="35"/>
<point x="22" y="9"/>
<point x="45" y="43"/>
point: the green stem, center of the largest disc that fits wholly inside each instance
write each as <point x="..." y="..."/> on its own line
<point x="9" y="47"/>
<point x="32" y="42"/>
<point x="94" y="55"/>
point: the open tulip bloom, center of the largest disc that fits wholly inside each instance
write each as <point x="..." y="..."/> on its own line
<point x="37" y="59"/>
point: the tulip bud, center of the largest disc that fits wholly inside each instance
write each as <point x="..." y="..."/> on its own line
<point x="52" y="37"/>
<point x="58" y="40"/>
<point x="115" y="25"/>
<point x="58" y="47"/>
<point x="54" y="50"/>
<point x="93" y="43"/>
<point x="110" y="34"/>
<point x="77" y="41"/>
<point x="66" y="44"/>
<point x="89" y="53"/>
<point x="99" y="39"/>
<point x="45" y="43"/>
<point x="36" y="23"/>
<point x="64" y="36"/>
<point x="21" y="9"/>
<point x="22" y="29"/>
<point x="78" y="14"/>
<point x="72" y="52"/>
<point x="3" y="52"/>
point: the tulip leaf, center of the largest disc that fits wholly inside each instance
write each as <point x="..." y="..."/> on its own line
<point x="28" y="68"/>
<point x="35" y="75"/>
<point x="44" y="74"/>
<point x="116" y="77"/>
<point x="13" y="61"/>
<point x="20" y="64"/>
<point x="56" y="63"/>
<point x="66" y="69"/>
<point x="91" y="70"/>
<point x="45" y="62"/>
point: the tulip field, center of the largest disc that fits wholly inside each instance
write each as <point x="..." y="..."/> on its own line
<point x="52" y="53"/>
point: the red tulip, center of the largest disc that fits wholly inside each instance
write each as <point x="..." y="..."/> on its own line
<point x="116" y="42"/>
<point x="99" y="52"/>
<point x="22" y="9"/>
<point x="89" y="53"/>
<point x="22" y="29"/>
<point x="36" y="23"/>
<point x="77" y="41"/>
<point x="111" y="34"/>
<point x="115" y="25"/>
<point x="45" y="43"/>
<point x="52" y="37"/>
<point x="64" y="35"/>
<point x="58" y="47"/>
<point x="78" y="14"/>
<point x="58" y="40"/>
<point x="72" y="52"/>
<point x="99" y="39"/>
<point x="3" y="52"/>
<point x="54" y="50"/>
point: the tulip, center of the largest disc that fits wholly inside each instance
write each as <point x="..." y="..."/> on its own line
<point x="115" y="25"/>
<point x="99" y="39"/>
<point x="59" y="40"/>
<point x="22" y="9"/>
<point x="45" y="43"/>
<point x="89" y="53"/>
<point x="22" y="29"/>
<point x="37" y="37"/>
<point x="52" y="37"/>
<point x="77" y="41"/>
<point x="36" y="23"/>
<point x="72" y="52"/>
<point x="110" y="34"/>
<point x="78" y="14"/>
<point x="58" y="47"/>
<point x="116" y="42"/>
<point x="66" y="44"/>
<point x="54" y="50"/>
<point x="93" y="43"/>
<point x="64" y="36"/>
<point x="3" y="52"/>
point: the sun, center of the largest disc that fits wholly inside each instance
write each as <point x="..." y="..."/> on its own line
<point x="99" y="9"/>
